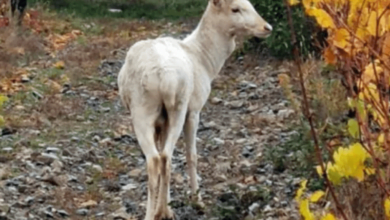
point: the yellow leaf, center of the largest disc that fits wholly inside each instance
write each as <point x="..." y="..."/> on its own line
<point x="54" y="86"/>
<point x="2" y="122"/>
<point x="370" y="171"/>
<point x="284" y="79"/>
<point x="319" y="170"/>
<point x="333" y="174"/>
<point x="372" y="26"/>
<point x="381" y="139"/>
<point x="305" y="211"/>
<point x="348" y="162"/>
<point x="362" y="33"/>
<point x="307" y="4"/>
<point x="60" y="65"/>
<point x="3" y="99"/>
<point x="322" y="17"/>
<point x="293" y="2"/>
<point x="317" y="196"/>
<point x="300" y="190"/>
<point x="341" y="38"/>
<point x="372" y="72"/>
<point x="64" y="79"/>
<point x="353" y="128"/>
<point x="328" y="217"/>
<point x="387" y="207"/>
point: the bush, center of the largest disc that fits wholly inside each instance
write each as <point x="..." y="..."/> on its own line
<point x="279" y="43"/>
<point x="357" y="176"/>
<point x="149" y="9"/>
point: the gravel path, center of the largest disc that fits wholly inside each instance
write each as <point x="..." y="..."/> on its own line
<point x="89" y="166"/>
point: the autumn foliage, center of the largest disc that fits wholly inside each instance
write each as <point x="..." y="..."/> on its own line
<point x="358" y="45"/>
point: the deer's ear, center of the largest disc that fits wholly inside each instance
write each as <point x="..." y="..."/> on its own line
<point x="216" y="2"/>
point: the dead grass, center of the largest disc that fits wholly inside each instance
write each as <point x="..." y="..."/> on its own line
<point x="362" y="201"/>
<point x="55" y="107"/>
<point x="17" y="47"/>
<point x="325" y="91"/>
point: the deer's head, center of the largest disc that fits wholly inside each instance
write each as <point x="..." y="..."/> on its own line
<point x="239" y="17"/>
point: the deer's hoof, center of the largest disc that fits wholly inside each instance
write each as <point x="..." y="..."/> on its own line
<point x="165" y="215"/>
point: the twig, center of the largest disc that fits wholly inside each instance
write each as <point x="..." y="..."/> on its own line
<point x="306" y="111"/>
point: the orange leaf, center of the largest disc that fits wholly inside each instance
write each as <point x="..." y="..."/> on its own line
<point x="329" y="56"/>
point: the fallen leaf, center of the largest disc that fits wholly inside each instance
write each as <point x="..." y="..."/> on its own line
<point x="317" y="196"/>
<point x="60" y="65"/>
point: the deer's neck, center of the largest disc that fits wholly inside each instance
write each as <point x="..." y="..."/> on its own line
<point x="211" y="46"/>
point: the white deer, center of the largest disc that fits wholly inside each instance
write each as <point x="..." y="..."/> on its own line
<point x="165" y="83"/>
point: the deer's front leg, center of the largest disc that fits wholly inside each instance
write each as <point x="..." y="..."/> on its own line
<point x="190" y="129"/>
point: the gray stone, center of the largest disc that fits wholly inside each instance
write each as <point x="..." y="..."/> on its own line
<point x="82" y="212"/>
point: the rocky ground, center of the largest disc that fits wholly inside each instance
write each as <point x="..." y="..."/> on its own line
<point x="82" y="160"/>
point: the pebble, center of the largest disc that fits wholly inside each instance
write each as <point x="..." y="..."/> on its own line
<point x="88" y="204"/>
<point x="63" y="213"/>
<point x="29" y="200"/>
<point x="218" y="141"/>
<point x="50" y="156"/>
<point x="285" y="113"/>
<point x="48" y="214"/>
<point x="4" y="208"/>
<point x="52" y="150"/>
<point x="97" y="168"/>
<point x="7" y="149"/>
<point x="129" y="186"/>
<point x="82" y="212"/>
<point x="121" y="214"/>
<point x="216" y="100"/>
<point x="135" y="172"/>
<point x="254" y="208"/>
<point x="235" y="104"/>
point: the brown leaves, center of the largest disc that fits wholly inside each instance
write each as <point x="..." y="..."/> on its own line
<point x="14" y="83"/>
<point x="58" y="42"/>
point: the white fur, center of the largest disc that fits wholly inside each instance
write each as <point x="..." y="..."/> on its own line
<point x="166" y="82"/>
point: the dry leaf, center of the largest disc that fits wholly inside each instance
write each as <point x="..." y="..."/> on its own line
<point x="60" y="65"/>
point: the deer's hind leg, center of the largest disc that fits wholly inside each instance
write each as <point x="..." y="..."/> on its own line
<point x="176" y="117"/>
<point x="144" y="126"/>
<point x="190" y="129"/>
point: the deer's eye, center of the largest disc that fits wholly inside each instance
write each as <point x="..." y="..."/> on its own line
<point x="235" y="10"/>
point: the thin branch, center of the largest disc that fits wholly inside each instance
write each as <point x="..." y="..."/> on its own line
<point x="306" y="111"/>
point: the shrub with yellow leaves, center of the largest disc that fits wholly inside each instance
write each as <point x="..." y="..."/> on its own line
<point x="358" y="45"/>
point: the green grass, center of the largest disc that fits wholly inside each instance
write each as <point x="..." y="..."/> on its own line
<point x="133" y="9"/>
<point x="297" y="156"/>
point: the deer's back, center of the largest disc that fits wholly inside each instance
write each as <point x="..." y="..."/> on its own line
<point x="155" y="70"/>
